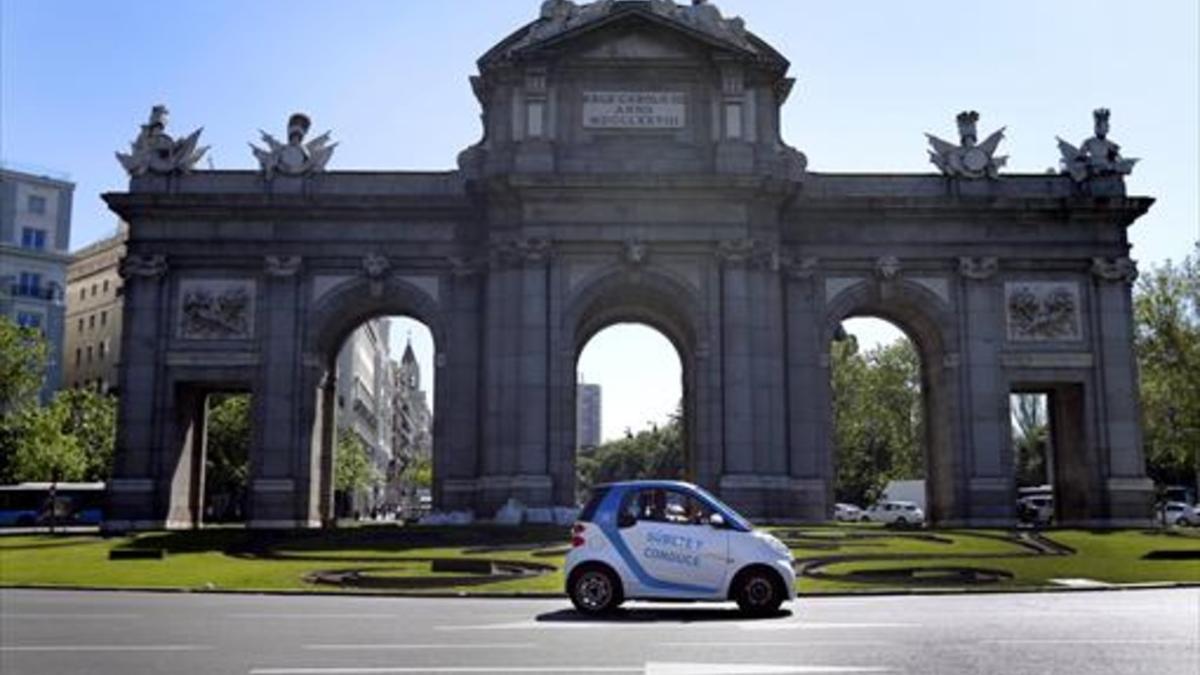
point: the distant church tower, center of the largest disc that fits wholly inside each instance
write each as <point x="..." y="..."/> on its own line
<point x="410" y="371"/>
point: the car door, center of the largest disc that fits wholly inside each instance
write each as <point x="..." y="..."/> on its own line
<point x="676" y="550"/>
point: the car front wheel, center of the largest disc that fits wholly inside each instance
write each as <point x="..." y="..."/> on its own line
<point x="758" y="593"/>
<point x="595" y="590"/>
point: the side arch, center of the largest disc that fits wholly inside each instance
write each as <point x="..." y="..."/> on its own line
<point x="930" y="323"/>
<point x="329" y="323"/>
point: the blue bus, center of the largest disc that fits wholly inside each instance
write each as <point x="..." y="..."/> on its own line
<point x="28" y="504"/>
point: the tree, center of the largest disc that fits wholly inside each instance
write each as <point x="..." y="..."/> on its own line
<point x="653" y="453"/>
<point x="227" y="455"/>
<point x="23" y="357"/>
<point x="353" y="471"/>
<point x="44" y="450"/>
<point x="91" y="417"/>
<point x="1167" y="342"/>
<point x="1030" y="438"/>
<point x="878" y="418"/>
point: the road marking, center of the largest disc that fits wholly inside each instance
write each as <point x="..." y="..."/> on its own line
<point x="334" y="647"/>
<point x="652" y="668"/>
<point x="790" y="645"/>
<point x="1088" y="642"/>
<point x="318" y="617"/>
<point x="809" y="625"/>
<point x="72" y="616"/>
<point x="104" y="648"/>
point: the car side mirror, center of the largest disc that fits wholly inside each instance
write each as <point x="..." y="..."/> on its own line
<point x="717" y="521"/>
<point x="625" y="520"/>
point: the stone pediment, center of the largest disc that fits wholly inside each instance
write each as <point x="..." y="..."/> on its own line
<point x="565" y="22"/>
<point x="635" y="45"/>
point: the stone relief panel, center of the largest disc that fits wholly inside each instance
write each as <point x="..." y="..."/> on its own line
<point x="1042" y="311"/>
<point x="216" y="309"/>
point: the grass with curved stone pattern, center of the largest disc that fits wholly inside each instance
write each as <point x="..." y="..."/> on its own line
<point x="233" y="559"/>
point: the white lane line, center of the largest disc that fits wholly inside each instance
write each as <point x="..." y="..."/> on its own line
<point x="400" y="647"/>
<point x="316" y="617"/>
<point x="809" y="625"/>
<point x="1088" y="642"/>
<point x="63" y="617"/>
<point x="751" y="669"/>
<point x="104" y="648"/>
<point x="789" y="645"/>
<point x="444" y="669"/>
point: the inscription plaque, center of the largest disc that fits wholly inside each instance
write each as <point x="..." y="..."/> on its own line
<point x="634" y="110"/>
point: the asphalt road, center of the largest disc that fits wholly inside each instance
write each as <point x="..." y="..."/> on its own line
<point x="1128" y="632"/>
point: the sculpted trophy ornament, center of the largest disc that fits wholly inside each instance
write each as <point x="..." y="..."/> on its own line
<point x="967" y="160"/>
<point x="155" y="152"/>
<point x="1097" y="156"/>
<point x="294" y="158"/>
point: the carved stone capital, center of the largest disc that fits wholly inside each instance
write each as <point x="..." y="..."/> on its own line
<point x="803" y="268"/>
<point x="519" y="252"/>
<point x="145" y="266"/>
<point x="1115" y="269"/>
<point x="634" y="253"/>
<point x="282" y="266"/>
<point x="463" y="267"/>
<point x="978" y="269"/>
<point x="375" y="266"/>
<point x="887" y="268"/>
<point x="749" y="253"/>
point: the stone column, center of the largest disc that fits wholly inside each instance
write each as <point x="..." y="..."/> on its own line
<point x="456" y="399"/>
<point x="138" y="492"/>
<point x="808" y="388"/>
<point x="1129" y="493"/>
<point x="987" y="449"/>
<point x="277" y="466"/>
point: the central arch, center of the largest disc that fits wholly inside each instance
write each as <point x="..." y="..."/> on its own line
<point x="654" y="299"/>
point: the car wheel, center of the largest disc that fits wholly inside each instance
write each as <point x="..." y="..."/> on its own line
<point x="758" y="592"/>
<point x="1181" y="521"/>
<point x="900" y="522"/>
<point x="864" y="519"/>
<point x="595" y="590"/>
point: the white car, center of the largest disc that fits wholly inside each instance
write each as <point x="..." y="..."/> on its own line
<point x="895" y="513"/>
<point x="1178" y="513"/>
<point x="1036" y="509"/>
<point x="847" y="513"/>
<point x="666" y="540"/>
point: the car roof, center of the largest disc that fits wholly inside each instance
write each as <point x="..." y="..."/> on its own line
<point x="643" y="484"/>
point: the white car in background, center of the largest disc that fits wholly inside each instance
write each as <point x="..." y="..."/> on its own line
<point x="1178" y="513"/>
<point x="895" y="513"/>
<point x="847" y="513"/>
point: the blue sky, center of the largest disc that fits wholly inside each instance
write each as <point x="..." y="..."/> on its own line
<point x="390" y="79"/>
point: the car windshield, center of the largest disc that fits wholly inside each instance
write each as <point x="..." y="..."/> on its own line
<point x="735" y="519"/>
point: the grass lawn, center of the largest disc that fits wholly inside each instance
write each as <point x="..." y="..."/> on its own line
<point x="232" y="559"/>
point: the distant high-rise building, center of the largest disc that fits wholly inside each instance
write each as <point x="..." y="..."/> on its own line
<point x="587" y="416"/>
<point x="35" y="236"/>
<point x="94" y="303"/>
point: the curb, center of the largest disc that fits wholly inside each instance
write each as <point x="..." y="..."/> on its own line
<point x="543" y="595"/>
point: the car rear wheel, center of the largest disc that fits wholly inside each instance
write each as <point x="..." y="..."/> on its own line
<point x="864" y="519"/>
<point x="595" y="590"/>
<point x="758" y="592"/>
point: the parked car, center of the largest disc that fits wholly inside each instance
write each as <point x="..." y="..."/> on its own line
<point x="894" y="513"/>
<point x="847" y="513"/>
<point x="667" y="540"/>
<point x="1178" y="513"/>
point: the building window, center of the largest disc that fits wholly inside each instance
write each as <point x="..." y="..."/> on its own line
<point x="81" y="325"/>
<point x="36" y="204"/>
<point x="29" y="284"/>
<point x="103" y="349"/>
<point x="104" y="318"/>
<point x="82" y="293"/>
<point x="89" y="353"/>
<point x="78" y="356"/>
<point x="33" y="238"/>
<point x="91" y="322"/>
<point x="106" y="286"/>
<point x="94" y="290"/>
<point x="29" y="320"/>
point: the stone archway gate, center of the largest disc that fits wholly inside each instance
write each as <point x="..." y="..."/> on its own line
<point x="631" y="169"/>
